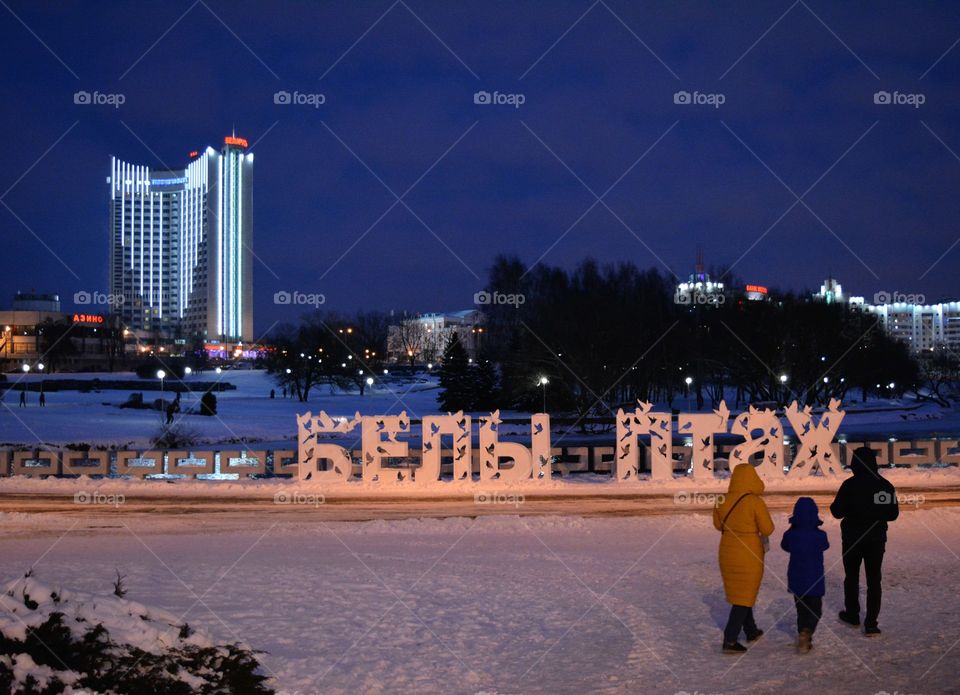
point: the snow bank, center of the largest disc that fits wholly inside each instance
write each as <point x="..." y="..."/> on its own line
<point x="53" y="639"/>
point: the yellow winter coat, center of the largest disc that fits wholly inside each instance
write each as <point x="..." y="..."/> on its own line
<point x="741" y="545"/>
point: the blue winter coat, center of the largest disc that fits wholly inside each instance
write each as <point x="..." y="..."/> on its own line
<point x="806" y="543"/>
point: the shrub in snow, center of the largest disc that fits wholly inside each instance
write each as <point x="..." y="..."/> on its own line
<point x="54" y="641"/>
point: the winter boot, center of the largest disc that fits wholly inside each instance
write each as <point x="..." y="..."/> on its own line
<point x="852" y="620"/>
<point x="733" y="648"/>
<point x="754" y="635"/>
<point x="871" y="630"/>
<point x="804" y="641"/>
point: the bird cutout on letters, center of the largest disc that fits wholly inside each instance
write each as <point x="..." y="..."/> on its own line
<point x="815" y="445"/>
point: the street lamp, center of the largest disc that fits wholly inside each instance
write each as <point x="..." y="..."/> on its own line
<point x="25" y="368"/>
<point x="188" y="371"/>
<point x="218" y="370"/>
<point x="161" y="375"/>
<point x="369" y="381"/>
<point x="688" y="381"/>
<point x="543" y="381"/>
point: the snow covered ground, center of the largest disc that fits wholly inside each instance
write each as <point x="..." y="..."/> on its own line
<point x="506" y="604"/>
<point x="249" y="414"/>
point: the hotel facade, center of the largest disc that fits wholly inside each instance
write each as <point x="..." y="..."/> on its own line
<point x="181" y="245"/>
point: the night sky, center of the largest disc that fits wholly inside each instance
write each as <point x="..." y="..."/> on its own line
<point x="878" y="183"/>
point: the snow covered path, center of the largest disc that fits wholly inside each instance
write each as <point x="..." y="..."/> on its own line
<point x="508" y="604"/>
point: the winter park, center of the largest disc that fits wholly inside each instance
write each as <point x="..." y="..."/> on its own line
<point x="479" y="348"/>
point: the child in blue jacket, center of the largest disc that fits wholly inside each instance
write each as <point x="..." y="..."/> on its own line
<point x="806" y="543"/>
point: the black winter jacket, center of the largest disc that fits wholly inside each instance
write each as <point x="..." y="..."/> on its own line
<point x="865" y="502"/>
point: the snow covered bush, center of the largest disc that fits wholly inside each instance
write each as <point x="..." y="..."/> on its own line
<point x="71" y="642"/>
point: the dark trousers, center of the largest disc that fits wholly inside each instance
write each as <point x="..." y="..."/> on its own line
<point x="741" y="618"/>
<point x="869" y="552"/>
<point x="809" y="610"/>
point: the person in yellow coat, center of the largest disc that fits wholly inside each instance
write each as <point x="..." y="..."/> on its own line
<point x="745" y="524"/>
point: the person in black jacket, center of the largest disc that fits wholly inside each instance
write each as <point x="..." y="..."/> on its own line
<point x="865" y="502"/>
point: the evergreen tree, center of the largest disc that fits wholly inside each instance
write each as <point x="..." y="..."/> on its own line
<point x="455" y="392"/>
<point x="483" y="378"/>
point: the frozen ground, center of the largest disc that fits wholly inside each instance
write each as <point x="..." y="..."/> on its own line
<point x="248" y="414"/>
<point x="507" y="604"/>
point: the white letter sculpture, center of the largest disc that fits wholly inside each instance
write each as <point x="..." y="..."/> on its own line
<point x="814" y="449"/>
<point x="702" y="427"/>
<point x="310" y="451"/>
<point x="434" y="426"/>
<point x="629" y="427"/>
<point x="769" y="443"/>
<point x="526" y="464"/>
<point x="376" y="448"/>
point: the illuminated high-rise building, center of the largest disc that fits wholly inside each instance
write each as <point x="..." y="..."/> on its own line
<point x="181" y="244"/>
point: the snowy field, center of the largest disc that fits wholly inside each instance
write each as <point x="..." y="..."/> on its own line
<point x="507" y="604"/>
<point x="248" y="414"/>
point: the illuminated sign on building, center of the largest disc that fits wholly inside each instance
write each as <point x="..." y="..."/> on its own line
<point x="169" y="182"/>
<point x="87" y="318"/>
<point x="759" y="289"/>
<point x="194" y="154"/>
<point x="233" y="140"/>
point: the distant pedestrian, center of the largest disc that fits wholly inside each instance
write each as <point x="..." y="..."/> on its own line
<point x="23" y="398"/>
<point x="806" y="543"/>
<point x="865" y="502"/>
<point x="273" y="394"/>
<point x="284" y="391"/>
<point x="43" y="400"/>
<point x="171" y="409"/>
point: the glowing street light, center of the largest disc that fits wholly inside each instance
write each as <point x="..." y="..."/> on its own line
<point x="188" y="371"/>
<point x="543" y="381"/>
<point x="25" y="368"/>
<point x="369" y="381"/>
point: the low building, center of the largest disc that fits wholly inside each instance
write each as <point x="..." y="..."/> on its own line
<point x="422" y="339"/>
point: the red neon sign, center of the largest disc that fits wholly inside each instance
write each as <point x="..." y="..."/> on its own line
<point x="193" y="154"/>
<point x="233" y="140"/>
<point x="87" y="318"/>
<point x="759" y="289"/>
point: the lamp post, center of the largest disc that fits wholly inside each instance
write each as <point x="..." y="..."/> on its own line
<point x="543" y="381"/>
<point x="40" y="366"/>
<point x="161" y="375"/>
<point x="688" y="381"/>
<point x="786" y="392"/>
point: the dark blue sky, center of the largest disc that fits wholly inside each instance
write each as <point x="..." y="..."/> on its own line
<point x="598" y="80"/>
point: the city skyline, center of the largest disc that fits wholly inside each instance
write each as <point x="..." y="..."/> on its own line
<point x="803" y="169"/>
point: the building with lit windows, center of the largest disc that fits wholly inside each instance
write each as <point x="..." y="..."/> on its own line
<point x="181" y="245"/>
<point x="907" y="318"/>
